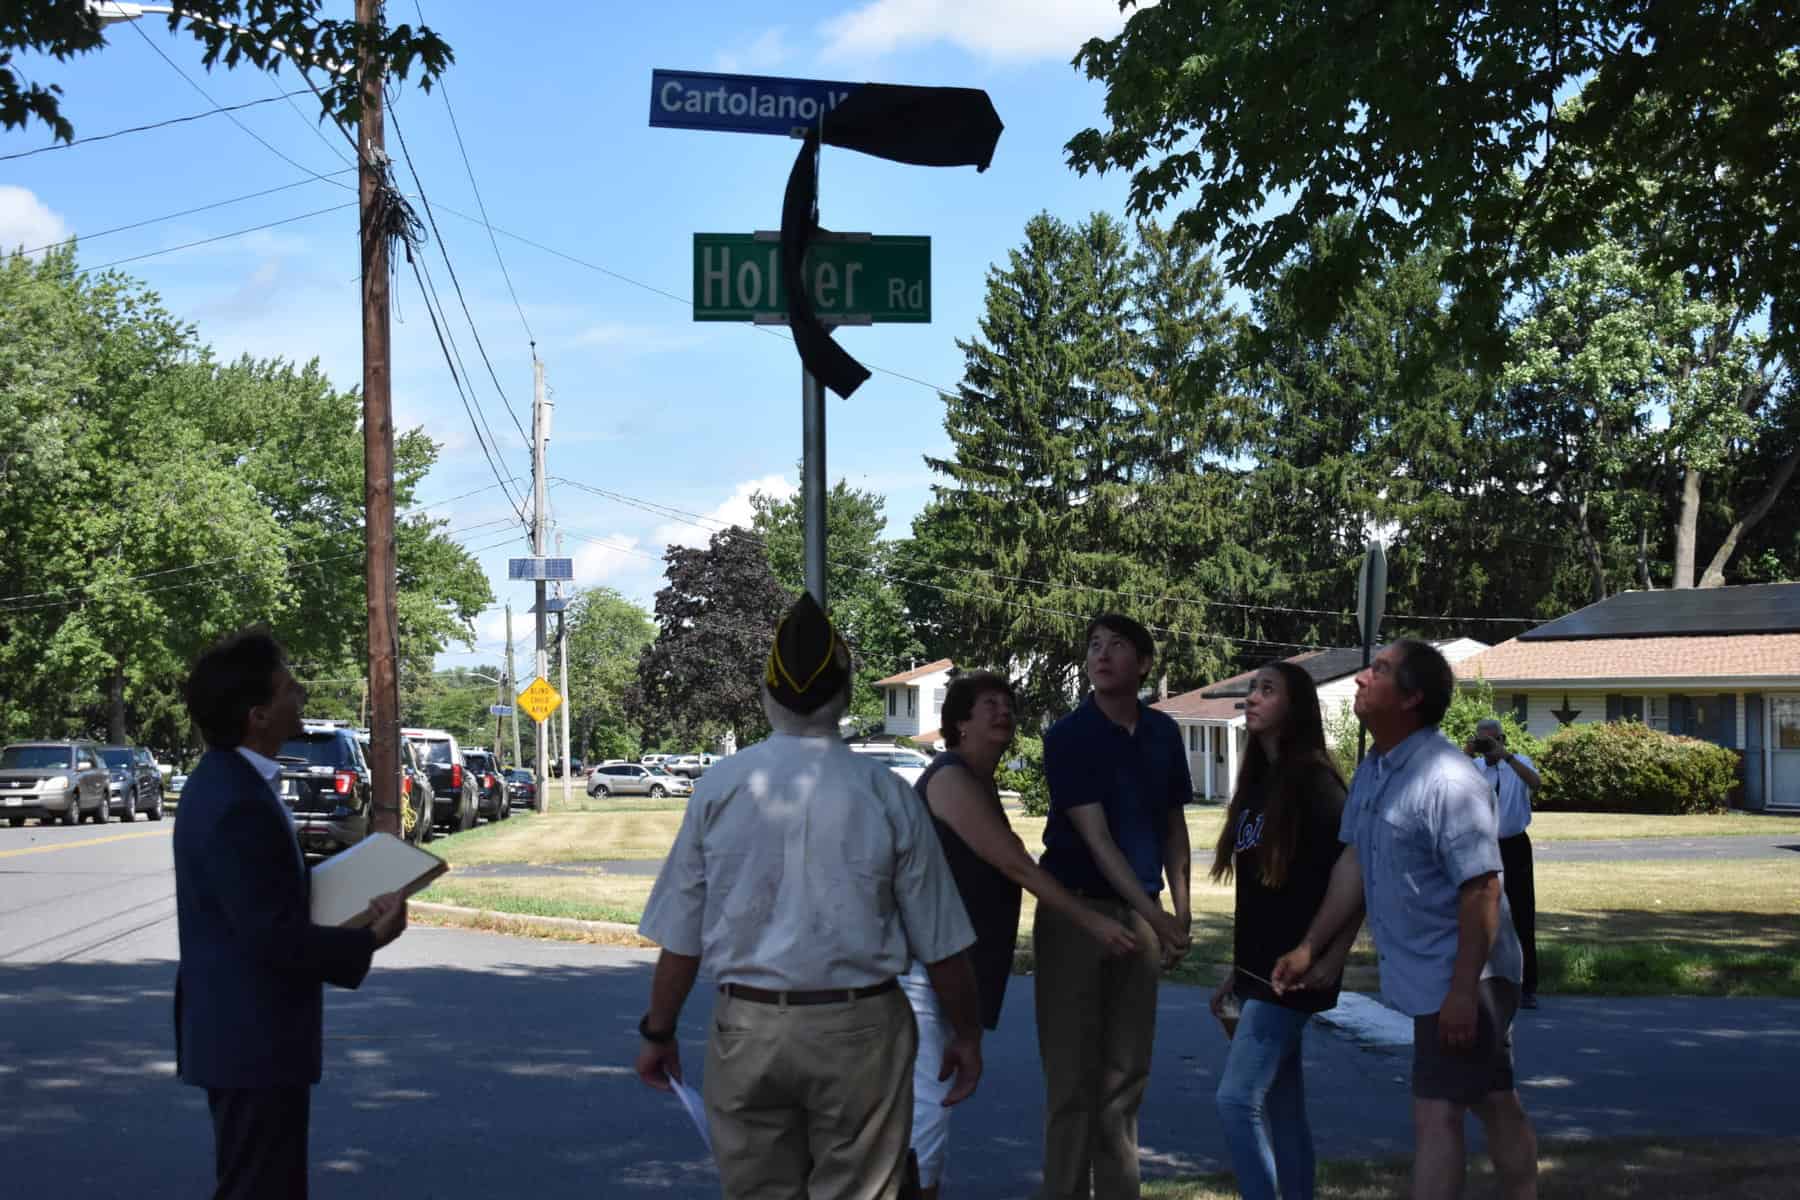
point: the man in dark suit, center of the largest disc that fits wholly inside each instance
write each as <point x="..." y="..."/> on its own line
<point x="249" y="997"/>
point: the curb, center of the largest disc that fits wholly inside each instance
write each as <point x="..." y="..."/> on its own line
<point x="563" y="928"/>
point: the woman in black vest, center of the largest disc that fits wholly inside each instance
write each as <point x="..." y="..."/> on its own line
<point x="1280" y="841"/>
<point x="990" y="865"/>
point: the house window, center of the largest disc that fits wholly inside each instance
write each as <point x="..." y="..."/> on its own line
<point x="1655" y="711"/>
<point x="1193" y="739"/>
<point x="1218" y="739"/>
<point x="912" y="702"/>
<point x="1631" y="708"/>
<point x="1521" y="709"/>
<point x="893" y="703"/>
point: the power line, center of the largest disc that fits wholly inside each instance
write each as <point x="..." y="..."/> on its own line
<point x="173" y="66"/>
<point x="444" y="252"/>
<point x="119" y="262"/>
<point x="312" y="537"/>
<point x="480" y="205"/>
<point x="199" y="116"/>
<point x="186" y="212"/>
<point x="215" y="581"/>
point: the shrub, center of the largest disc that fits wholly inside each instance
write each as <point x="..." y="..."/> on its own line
<point x="1624" y="766"/>
<point x="1472" y="702"/>
<point x="1027" y="778"/>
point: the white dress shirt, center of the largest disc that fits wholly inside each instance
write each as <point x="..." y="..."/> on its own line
<point x="801" y="865"/>
<point x="1514" y="795"/>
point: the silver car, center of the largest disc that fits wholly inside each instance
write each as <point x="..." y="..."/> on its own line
<point x="634" y="779"/>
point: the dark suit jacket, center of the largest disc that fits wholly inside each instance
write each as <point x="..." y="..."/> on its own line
<point x="249" y="996"/>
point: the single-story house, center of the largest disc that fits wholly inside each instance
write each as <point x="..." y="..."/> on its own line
<point x="913" y="701"/>
<point x="1722" y="664"/>
<point x="1212" y="718"/>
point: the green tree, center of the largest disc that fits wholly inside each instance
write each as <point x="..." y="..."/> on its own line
<point x="165" y="500"/>
<point x="715" y="619"/>
<point x="607" y="634"/>
<point x="1080" y="478"/>
<point x="1501" y="134"/>
<point x="230" y="31"/>
<point x="866" y="605"/>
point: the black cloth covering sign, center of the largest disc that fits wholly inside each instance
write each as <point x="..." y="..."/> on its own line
<point x="924" y="126"/>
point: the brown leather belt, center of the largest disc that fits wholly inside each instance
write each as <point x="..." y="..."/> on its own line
<point x="738" y="991"/>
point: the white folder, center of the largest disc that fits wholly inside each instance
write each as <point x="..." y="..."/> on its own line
<point x="343" y="884"/>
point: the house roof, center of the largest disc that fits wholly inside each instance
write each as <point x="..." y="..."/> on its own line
<point x="931" y="668"/>
<point x="1567" y="661"/>
<point x="1682" y="612"/>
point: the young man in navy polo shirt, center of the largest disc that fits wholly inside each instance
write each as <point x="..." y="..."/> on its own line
<point x="1118" y="779"/>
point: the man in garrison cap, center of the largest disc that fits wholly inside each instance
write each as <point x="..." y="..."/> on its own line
<point x="806" y="878"/>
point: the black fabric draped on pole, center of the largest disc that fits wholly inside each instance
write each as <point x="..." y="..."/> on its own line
<point x="924" y="126"/>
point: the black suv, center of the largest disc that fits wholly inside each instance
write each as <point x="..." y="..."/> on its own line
<point x="137" y="785"/>
<point x="521" y="787"/>
<point x="490" y="785"/>
<point x="325" y="782"/>
<point x="53" y="781"/>
<point x="454" y="783"/>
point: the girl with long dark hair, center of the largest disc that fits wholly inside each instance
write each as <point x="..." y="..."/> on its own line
<point x="1279" y="843"/>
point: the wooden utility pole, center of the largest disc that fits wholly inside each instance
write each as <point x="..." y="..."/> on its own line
<point x="378" y="437"/>
<point x="512" y="690"/>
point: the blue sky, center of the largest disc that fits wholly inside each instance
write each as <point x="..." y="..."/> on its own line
<point x="649" y="404"/>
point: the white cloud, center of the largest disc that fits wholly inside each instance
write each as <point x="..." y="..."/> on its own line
<point x="735" y="511"/>
<point x="996" y="29"/>
<point x="603" y="560"/>
<point x="26" y="222"/>
<point x="767" y="51"/>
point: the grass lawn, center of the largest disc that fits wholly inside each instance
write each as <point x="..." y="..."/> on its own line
<point x="1604" y="1169"/>
<point x="1623" y="928"/>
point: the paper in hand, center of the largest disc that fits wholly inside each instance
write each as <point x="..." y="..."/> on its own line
<point x="343" y="885"/>
<point x="696" y="1109"/>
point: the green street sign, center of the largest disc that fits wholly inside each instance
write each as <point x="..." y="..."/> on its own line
<point x="852" y="278"/>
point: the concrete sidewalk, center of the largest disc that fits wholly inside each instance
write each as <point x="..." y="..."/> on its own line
<point x="475" y="1065"/>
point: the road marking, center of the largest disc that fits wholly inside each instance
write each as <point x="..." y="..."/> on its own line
<point x="117" y="837"/>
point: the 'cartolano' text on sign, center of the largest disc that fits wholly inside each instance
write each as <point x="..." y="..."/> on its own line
<point x="741" y="103"/>
<point x="738" y="277"/>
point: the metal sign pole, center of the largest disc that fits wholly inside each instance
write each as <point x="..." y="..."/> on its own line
<point x="812" y="481"/>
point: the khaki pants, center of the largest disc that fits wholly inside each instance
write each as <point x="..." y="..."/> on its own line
<point x="1096" y="1020"/>
<point x="811" y="1102"/>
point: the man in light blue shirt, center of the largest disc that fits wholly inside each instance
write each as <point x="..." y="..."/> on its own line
<point x="1423" y="855"/>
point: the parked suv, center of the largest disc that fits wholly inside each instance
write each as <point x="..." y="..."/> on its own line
<point x="684" y="764"/>
<point x="490" y="786"/>
<point x="451" y="779"/>
<point x="52" y="781"/>
<point x="632" y="779"/>
<point x="521" y="787"/>
<point x="416" y="797"/>
<point x="325" y="782"/>
<point x="136" y="785"/>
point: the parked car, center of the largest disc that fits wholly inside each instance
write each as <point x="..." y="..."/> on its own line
<point x="908" y="764"/>
<point x="177" y="781"/>
<point x="521" y="787"/>
<point x="652" y="760"/>
<point x="630" y="779"/>
<point x="451" y="780"/>
<point x="326" y="783"/>
<point x="135" y="785"/>
<point x="684" y="764"/>
<point x="53" y="781"/>
<point x="490" y="786"/>
<point x="415" y="791"/>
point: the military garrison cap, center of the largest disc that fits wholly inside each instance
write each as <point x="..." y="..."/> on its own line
<point x="804" y="668"/>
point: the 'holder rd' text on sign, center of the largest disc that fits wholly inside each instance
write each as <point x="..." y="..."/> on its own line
<point x="738" y="277"/>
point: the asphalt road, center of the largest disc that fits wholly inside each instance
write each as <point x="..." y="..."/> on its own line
<point x="474" y="1065"/>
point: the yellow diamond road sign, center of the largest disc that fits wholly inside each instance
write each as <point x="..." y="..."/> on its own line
<point x="539" y="699"/>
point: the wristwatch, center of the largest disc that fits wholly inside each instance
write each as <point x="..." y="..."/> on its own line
<point x="655" y="1037"/>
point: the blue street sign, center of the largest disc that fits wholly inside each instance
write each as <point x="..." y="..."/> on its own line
<point x="741" y="103"/>
<point x="500" y="710"/>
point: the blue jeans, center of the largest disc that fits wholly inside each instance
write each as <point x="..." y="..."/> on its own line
<point x="1262" y="1105"/>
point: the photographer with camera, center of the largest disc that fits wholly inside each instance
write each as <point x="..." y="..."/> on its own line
<point x="1514" y="779"/>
